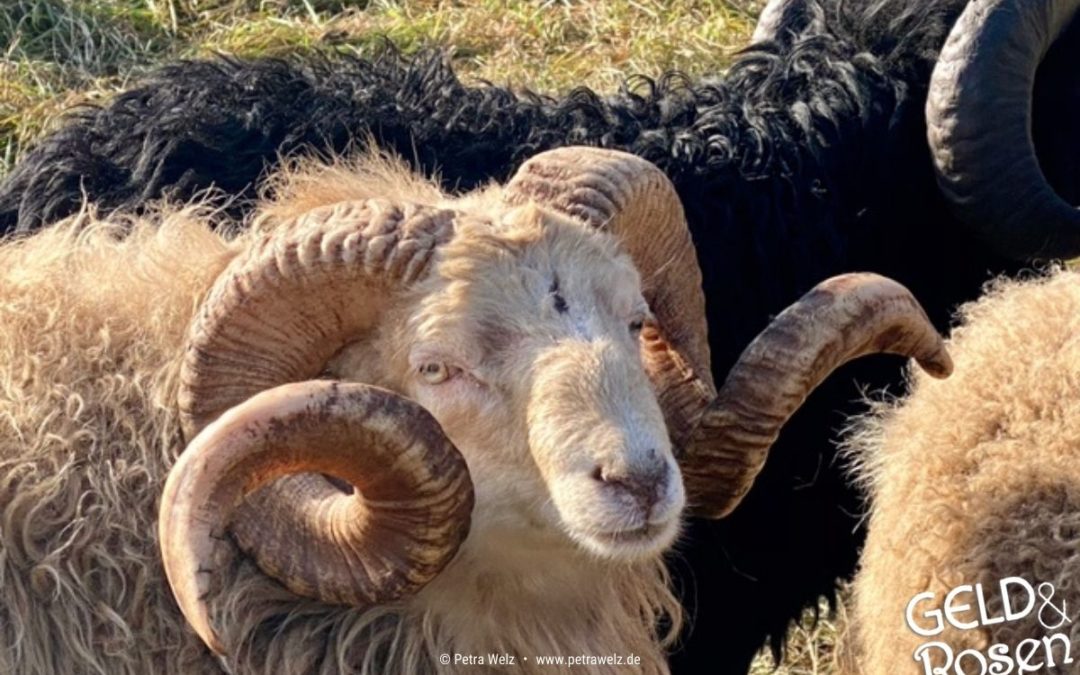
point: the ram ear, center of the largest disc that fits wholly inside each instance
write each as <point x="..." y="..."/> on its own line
<point x="632" y="199"/>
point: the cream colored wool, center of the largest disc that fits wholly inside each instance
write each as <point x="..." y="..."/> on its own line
<point x="92" y="326"/>
<point x="975" y="478"/>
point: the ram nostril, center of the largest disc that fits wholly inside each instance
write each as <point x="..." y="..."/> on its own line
<point x="661" y="477"/>
<point x="646" y="487"/>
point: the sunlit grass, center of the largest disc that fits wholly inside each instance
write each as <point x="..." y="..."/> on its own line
<point x="811" y="645"/>
<point x="60" y="52"/>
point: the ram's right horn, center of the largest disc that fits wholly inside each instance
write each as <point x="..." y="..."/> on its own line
<point x="404" y="522"/>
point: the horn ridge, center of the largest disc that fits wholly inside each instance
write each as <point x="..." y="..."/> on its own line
<point x="281" y="310"/>
<point x="840" y="319"/>
<point x="339" y="548"/>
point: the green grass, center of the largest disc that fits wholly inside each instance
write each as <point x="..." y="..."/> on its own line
<point x="55" y="54"/>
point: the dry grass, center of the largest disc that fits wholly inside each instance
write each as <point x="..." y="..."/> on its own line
<point x="58" y="53"/>
<point x="811" y="645"/>
<point x="63" y="52"/>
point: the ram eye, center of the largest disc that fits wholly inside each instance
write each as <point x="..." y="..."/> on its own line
<point x="436" y="373"/>
<point x="636" y="326"/>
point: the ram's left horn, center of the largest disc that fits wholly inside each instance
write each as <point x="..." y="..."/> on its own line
<point x="841" y="319"/>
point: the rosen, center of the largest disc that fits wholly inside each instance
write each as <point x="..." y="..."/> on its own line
<point x="1029" y="656"/>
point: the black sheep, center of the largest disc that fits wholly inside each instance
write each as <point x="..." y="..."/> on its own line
<point x="807" y="159"/>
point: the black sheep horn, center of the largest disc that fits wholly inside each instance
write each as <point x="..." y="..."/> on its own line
<point x="979" y="124"/>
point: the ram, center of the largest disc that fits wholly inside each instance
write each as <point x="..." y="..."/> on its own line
<point x="808" y="158"/>
<point x="430" y="425"/>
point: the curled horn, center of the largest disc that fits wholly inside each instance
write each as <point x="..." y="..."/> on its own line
<point x="840" y="319"/>
<point x="979" y="124"/>
<point x="281" y="310"/>
<point x="406" y="520"/>
<point x="277" y="315"/>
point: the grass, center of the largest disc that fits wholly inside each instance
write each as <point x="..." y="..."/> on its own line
<point x="811" y="645"/>
<point x="61" y="53"/>
<point x="64" y="52"/>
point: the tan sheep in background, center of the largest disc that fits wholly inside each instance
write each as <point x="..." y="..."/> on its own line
<point x="975" y="480"/>
<point x="467" y="382"/>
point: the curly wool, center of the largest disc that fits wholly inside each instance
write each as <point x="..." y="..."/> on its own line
<point x="90" y="326"/>
<point x="92" y="329"/>
<point x="975" y="479"/>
